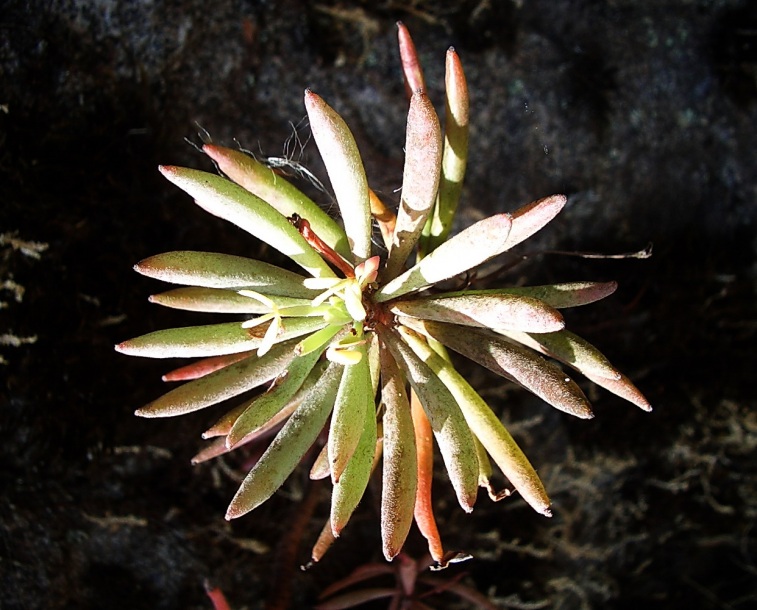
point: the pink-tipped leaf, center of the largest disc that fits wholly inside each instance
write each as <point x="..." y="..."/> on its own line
<point x="229" y="201"/>
<point x="469" y="248"/>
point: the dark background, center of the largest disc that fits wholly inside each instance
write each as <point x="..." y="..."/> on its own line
<point x="642" y="112"/>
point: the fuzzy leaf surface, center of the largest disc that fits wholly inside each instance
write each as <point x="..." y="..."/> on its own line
<point x="218" y="300"/>
<point x="420" y="180"/>
<point x="475" y="245"/>
<point x="570" y="349"/>
<point x="450" y="428"/>
<point x="486" y="311"/>
<point x="454" y="155"/>
<point x="223" y="384"/>
<point x="400" y="476"/>
<point x="277" y="191"/>
<point x="214" y="270"/>
<point x="346" y="172"/>
<point x="511" y="361"/>
<point x="265" y="406"/>
<point x="350" y="487"/>
<point x="229" y="201"/>
<point x="289" y="446"/>
<point x="212" y="339"/>
<point x="348" y="418"/>
<point x="487" y="427"/>
<point x="532" y="217"/>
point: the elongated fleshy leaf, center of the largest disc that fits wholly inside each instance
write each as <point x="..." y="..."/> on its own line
<point x="213" y="270"/>
<point x="400" y="476"/>
<point x="570" y="349"/>
<point x="423" y="512"/>
<point x="469" y="248"/>
<point x="348" y="419"/>
<point x="559" y="296"/>
<point x="504" y="311"/>
<point x="420" y="181"/>
<point x="454" y="157"/>
<point x="622" y="387"/>
<point x="217" y="300"/>
<point x="211" y="339"/>
<point x="320" y="468"/>
<point x="223" y="198"/>
<point x="450" y="429"/>
<point x="350" y="487"/>
<point x="203" y="367"/>
<point x="512" y="361"/>
<point x="289" y="446"/>
<point x="411" y="65"/>
<point x="345" y="168"/>
<point x="221" y="385"/>
<point x="276" y="190"/>
<point x="265" y="406"/>
<point x="528" y="219"/>
<point x="486" y="426"/>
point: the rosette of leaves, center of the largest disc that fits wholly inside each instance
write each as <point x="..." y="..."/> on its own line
<point x="355" y="340"/>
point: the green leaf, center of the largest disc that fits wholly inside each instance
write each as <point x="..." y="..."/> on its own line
<point x="223" y="198"/>
<point x="345" y="168"/>
<point x="219" y="300"/>
<point x="504" y="311"/>
<point x="486" y="426"/>
<point x="348" y="419"/>
<point x="622" y="387"/>
<point x="570" y="349"/>
<point x="420" y="181"/>
<point x="450" y="428"/>
<point x="469" y="248"/>
<point x="289" y="446"/>
<point x="265" y="406"/>
<point x="454" y="157"/>
<point x="400" y="477"/>
<point x="223" y="384"/>
<point x="277" y="191"/>
<point x="212" y="339"/>
<point x="212" y="270"/>
<point x="559" y="296"/>
<point x="511" y="361"/>
<point x="350" y="487"/>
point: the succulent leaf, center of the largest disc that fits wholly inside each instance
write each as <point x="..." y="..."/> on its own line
<point x="450" y="429"/>
<point x="454" y="157"/>
<point x="218" y="300"/>
<point x="486" y="427"/>
<point x="559" y="296"/>
<point x="277" y="191"/>
<point x="511" y="361"/>
<point x="353" y="480"/>
<point x="420" y="181"/>
<point x="411" y="65"/>
<point x="213" y="270"/>
<point x="475" y="245"/>
<point x="532" y="217"/>
<point x="223" y="384"/>
<point x="345" y="168"/>
<point x="231" y="202"/>
<point x="204" y="367"/>
<point x="424" y="510"/>
<point x="265" y="406"/>
<point x="289" y="446"/>
<point x="211" y="339"/>
<point x="400" y="476"/>
<point x="504" y="311"/>
<point x="570" y="349"/>
<point x="348" y="419"/>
